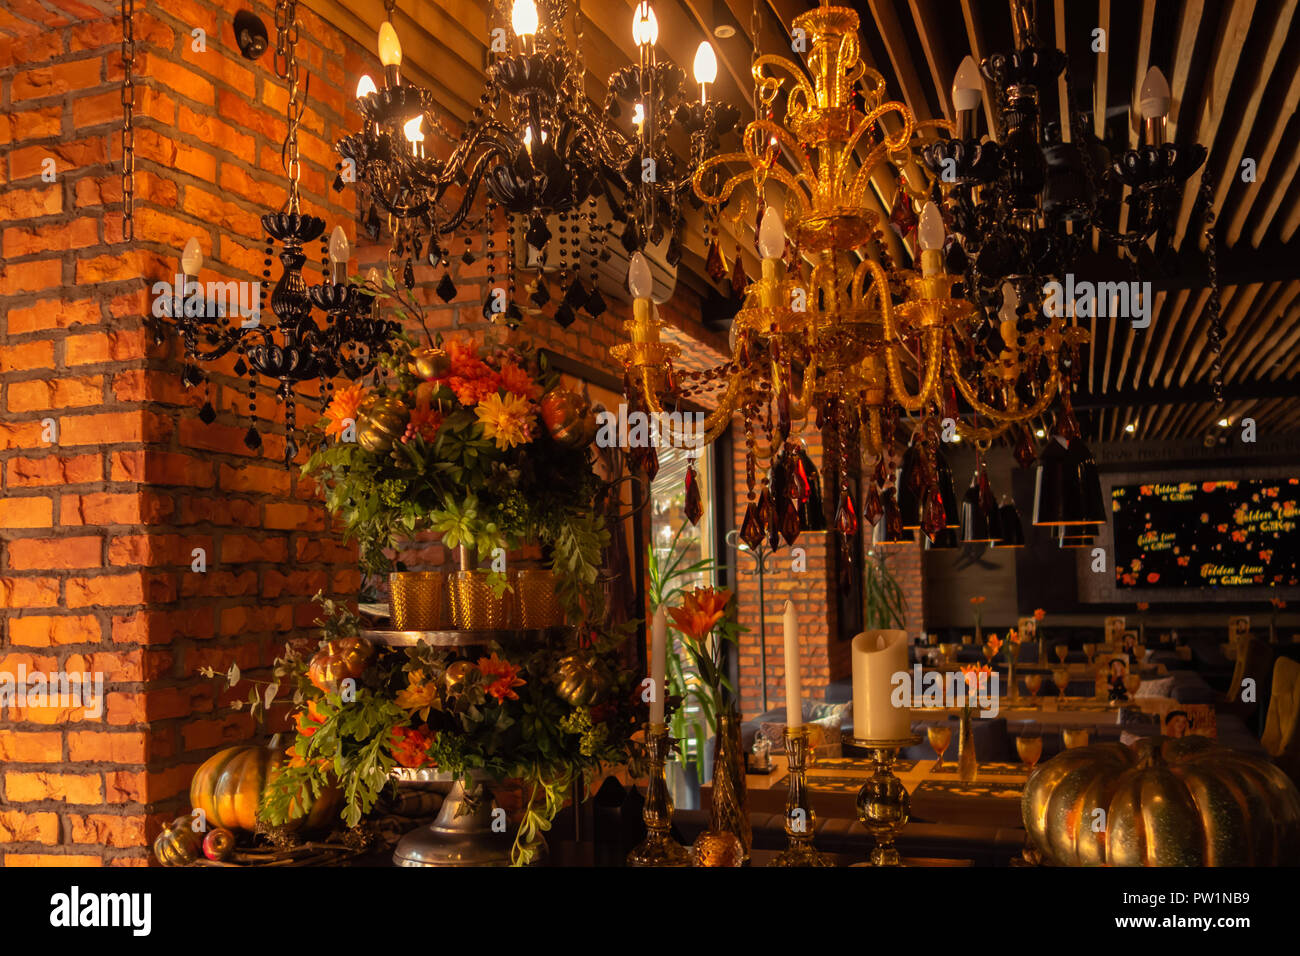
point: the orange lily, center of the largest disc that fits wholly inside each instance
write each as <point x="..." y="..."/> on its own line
<point x="701" y="610"/>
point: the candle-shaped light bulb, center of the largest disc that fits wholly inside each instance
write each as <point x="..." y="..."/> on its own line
<point x="414" y="135"/>
<point x="706" y="68"/>
<point x="339" y="252"/>
<point x="365" y="86"/>
<point x="390" y="48"/>
<point x="771" y="234"/>
<point x="658" y="663"/>
<point x="523" y="17"/>
<point x="1154" y="96"/>
<point x="645" y="25"/>
<point x="638" y="116"/>
<point x="640" y="282"/>
<point x="192" y="258"/>
<point x="931" y="233"/>
<point x="967" y="93"/>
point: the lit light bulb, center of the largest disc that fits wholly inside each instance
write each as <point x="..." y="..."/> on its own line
<point x="373" y="280"/>
<point x="640" y="282"/>
<point x="638" y="115"/>
<point x="645" y="25"/>
<point x="414" y="135"/>
<point x="1130" y="428"/>
<point x="1223" y="422"/>
<point x="706" y="64"/>
<point x="390" y="49"/>
<point x="1039" y="433"/>
<point x="967" y="86"/>
<point x="1010" y="301"/>
<point x="523" y="17"/>
<point x="340" y="250"/>
<point x="931" y="233"/>
<point x="1154" y="96"/>
<point x="365" y="86"/>
<point x="192" y="258"/>
<point x="771" y="234"/>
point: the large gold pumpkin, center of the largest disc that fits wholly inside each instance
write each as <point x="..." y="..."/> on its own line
<point x="579" y="682"/>
<point x="1167" y="802"/>
<point x="380" y="422"/>
<point x="228" y="788"/>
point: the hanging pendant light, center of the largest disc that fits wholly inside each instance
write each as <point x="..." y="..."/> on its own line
<point x="974" y="520"/>
<point x="1067" y="489"/>
<point x="1012" y="529"/>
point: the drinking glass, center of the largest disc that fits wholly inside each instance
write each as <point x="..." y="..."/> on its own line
<point x="1078" y="737"/>
<point x="949" y="651"/>
<point x="1061" y="651"/>
<point x="940" y="738"/>
<point x="1090" y="651"/>
<point x="1061" y="677"/>
<point x="1030" y="747"/>
<point x="1033" y="684"/>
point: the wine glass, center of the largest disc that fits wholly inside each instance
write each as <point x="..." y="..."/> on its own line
<point x="989" y="653"/>
<point x="1030" y="747"/>
<point x="940" y="737"/>
<point x="1033" y="684"/>
<point x="1061" y="651"/>
<point x="1061" y="678"/>
<point x="949" y="651"/>
<point x="1090" y="651"/>
<point x="1076" y="737"/>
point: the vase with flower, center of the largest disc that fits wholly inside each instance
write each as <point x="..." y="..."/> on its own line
<point x="977" y="604"/>
<point x="1011" y="651"/>
<point x="976" y="676"/>
<point x="1278" y="605"/>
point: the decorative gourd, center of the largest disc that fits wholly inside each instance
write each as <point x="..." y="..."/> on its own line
<point x="218" y="844"/>
<point x="338" y="660"/>
<point x="456" y="674"/>
<point x="228" y="789"/>
<point x="177" y="844"/>
<point x="568" y="417"/>
<point x="578" y="682"/>
<point x="380" y="422"/>
<point x="427" y="363"/>
<point x="1167" y="802"/>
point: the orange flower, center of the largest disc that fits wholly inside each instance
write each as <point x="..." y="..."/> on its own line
<point x="501" y="677"/>
<point x="514" y="379"/>
<point x="419" y="696"/>
<point x="700" y="611"/>
<point x="308" y="722"/>
<point x="344" y="408"/>
<point x="1013" y="636"/>
<point x="978" y="600"/>
<point x="1039" y="614"/>
<point x="424" y="422"/>
<point x="1143" y="606"/>
<point x="410" y="746"/>
<point x="995" y="643"/>
<point x="470" y="390"/>
<point x="976" y="675"/>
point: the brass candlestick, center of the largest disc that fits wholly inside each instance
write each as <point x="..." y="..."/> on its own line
<point x="800" y="820"/>
<point x="658" y="848"/>
<point x="884" y="805"/>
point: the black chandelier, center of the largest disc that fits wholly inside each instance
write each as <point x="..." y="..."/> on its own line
<point x="296" y="347"/>
<point x="536" y="147"/>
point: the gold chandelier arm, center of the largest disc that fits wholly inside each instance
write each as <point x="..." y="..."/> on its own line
<point x="715" y="423"/>
<point x="973" y="434"/>
<point x="881" y="149"/>
<point x="801" y="97"/>
<point x="1017" y="415"/>
<point x="931" y="355"/>
<point x="875" y="434"/>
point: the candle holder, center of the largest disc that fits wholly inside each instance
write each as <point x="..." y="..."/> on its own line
<point x="658" y="848"/>
<point x="800" y="820"/>
<point x="884" y="805"/>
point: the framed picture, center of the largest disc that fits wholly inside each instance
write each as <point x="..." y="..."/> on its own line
<point x="1189" y="719"/>
<point x="1238" y="625"/>
<point x="1027" y="628"/>
<point x="1114" y="629"/>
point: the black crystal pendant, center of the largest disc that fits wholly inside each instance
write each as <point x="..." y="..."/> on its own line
<point x="538" y="235"/>
<point x="290" y="450"/>
<point x="252" y="439"/>
<point x="408" y="275"/>
<point x="595" y="304"/>
<point x="207" y="414"/>
<point x="631" y="239"/>
<point x="373" y="224"/>
<point x="446" y="288"/>
<point x="513" y="316"/>
<point x="694" y="504"/>
<point x="240" y="368"/>
<point x="565" y="316"/>
<point x="468" y="258"/>
<point x="540" y="294"/>
<point x="575" y="296"/>
<point x="191" y="376"/>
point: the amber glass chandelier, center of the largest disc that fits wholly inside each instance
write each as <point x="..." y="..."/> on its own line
<point x="831" y="332"/>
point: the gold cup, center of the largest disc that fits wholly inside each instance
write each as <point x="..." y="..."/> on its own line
<point x="1077" y="737"/>
<point x="474" y="605"/>
<point x="537" y="598"/>
<point x="417" y="600"/>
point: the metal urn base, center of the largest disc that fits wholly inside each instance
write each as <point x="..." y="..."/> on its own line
<point x="467" y="839"/>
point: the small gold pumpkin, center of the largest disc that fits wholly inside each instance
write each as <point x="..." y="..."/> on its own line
<point x="578" y="682"/>
<point x="338" y="660"/>
<point x="381" y="422"/>
<point x="428" y="362"/>
<point x="568" y="417"/>
<point x="456" y="674"/>
<point x="177" y="844"/>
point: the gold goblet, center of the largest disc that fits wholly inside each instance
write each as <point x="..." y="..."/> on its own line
<point x="1061" y="650"/>
<point x="1030" y="747"/>
<point x="1061" y="678"/>
<point x="989" y="652"/>
<point x="1076" y="737"/>
<point x="1033" y="684"/>
<point x="1090" y="651"/>
<point x="940" y="737"/>
<point x="949" y="652"/>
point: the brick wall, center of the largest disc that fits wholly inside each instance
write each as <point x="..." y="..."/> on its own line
<point x="98" y="526"/>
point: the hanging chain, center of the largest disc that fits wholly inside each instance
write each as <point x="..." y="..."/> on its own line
<point x="286" y="67"/>
<point x="755" y="25"/>
<point x="128" y="120"/>
<point x="1217" y="333"/>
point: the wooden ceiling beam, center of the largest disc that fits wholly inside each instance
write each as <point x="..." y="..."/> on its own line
<point x="1169" y="330"/>
<point x="1264" y="172"/>
<point x="1232" y="322"/>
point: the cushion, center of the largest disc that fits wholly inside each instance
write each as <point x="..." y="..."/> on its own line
<point x="1162" y="687"/>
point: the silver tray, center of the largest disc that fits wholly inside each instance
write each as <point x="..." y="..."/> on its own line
<point x="452" y="638"/>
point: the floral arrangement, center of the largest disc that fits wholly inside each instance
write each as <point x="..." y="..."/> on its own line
<point x="474" y="439"/>
<point x="701" y="612"/>
<point x="977" y="605"/>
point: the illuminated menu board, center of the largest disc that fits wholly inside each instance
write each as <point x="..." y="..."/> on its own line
<point x="1196" y="534"/>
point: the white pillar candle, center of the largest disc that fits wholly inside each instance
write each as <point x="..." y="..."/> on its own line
<point x="658" y="663"/>
<point x="877" y="657"/>
<point x="793" y="683"/>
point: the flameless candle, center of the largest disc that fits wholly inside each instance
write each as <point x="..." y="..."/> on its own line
<point x="877" y="657"/>
<point x="793" y="682"/>
<point x="658" y="663"/>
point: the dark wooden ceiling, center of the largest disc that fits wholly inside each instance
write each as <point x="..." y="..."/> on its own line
<point x="1233" y="66"/>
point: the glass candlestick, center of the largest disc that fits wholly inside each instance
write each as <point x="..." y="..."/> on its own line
<point x="800" y="820"/>
<point x="658" y="848"/>
<point x="884" y="805"/>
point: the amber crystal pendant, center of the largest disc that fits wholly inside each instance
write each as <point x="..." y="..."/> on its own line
<point x="791" y="523"/>
<point x="715" y="264"/>
<point x="846" y="517"/>
<point x="874" y="508"/>
<point x="739" y="281"/>
<point x="751" y="532"/>
<point x="768" y="519"/>
<point x="694" y="503"/>
<point x="933" y="517"/>
<point x="1025" y="453"/>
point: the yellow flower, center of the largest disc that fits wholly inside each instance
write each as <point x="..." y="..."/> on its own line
<point x="508" y="421"/>
<point x="419" y="696"/>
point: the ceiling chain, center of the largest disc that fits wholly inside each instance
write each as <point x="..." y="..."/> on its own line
<point x="286" y="67"/>
<point x="128" y="120"/>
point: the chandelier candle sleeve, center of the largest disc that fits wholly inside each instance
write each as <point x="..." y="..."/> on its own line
<point x="877" y="657"/>
<point x="930" y="236"/>
<point x="658" y="663"/>
<point x="339" y="253"/>
<point x="793" y="681"/>
<point x="771" y="245"/>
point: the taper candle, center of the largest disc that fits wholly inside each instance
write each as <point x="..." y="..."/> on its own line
<point x="793" y="688"/>
<point x="658" y="663"/>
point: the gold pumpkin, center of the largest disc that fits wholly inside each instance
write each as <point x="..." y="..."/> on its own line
<point x="338" y="660"/>
<point x="381" y="422"/>
<point x="1167" y="802"/>
<point x="177" y="844"/>
<point x="568" y="417"/>
<point x="427" y="363"/>
<point x="578" y="682"/>
<point x="228" y="789"/>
